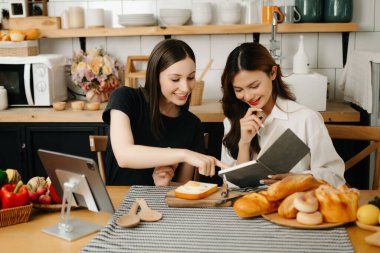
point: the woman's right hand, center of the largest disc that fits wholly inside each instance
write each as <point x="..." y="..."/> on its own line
<point x="250" y="125"/>
<point x="204" y="163"/>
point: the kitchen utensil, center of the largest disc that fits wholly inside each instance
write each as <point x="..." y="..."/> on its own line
<point x="337" y="11"/>
<point x="131" y="219"/>
<point x="311" y="10"/>
<point x="224" y="192"/>
<point x="205" y="70"/>
<point x="230" y="13"/>
<point x="147" y="214"/>
<point x="252" y="13"/>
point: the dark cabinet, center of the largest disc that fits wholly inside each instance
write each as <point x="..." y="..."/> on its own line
<point x="12" y="153"/>
<point x="20" y="143"/>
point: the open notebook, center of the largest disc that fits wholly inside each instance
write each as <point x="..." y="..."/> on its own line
<point x="280" y="157"/>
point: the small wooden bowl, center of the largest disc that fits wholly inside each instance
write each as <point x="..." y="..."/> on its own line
<point x="93" y="106"/>
<point x="59" y="106"/>
<point x="77" y="105"/>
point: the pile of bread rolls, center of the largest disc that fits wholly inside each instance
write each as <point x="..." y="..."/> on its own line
<point x="18" y="35"/>
<point x="303" y="198"/>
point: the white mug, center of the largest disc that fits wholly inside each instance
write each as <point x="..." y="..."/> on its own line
<point x="291" y="15"/>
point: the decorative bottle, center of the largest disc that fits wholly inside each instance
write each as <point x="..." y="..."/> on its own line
<point x="301" y="59"/>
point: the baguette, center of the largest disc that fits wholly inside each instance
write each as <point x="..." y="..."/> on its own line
<point x="290" y="185"/>
<point x="254" y="204"/>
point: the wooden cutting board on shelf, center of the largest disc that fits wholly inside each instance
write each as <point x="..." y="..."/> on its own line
<point x="213" y="200"/>
<point x="39" y="22"/>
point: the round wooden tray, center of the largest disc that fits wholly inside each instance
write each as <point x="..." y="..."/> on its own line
<point x="275" y="218"/>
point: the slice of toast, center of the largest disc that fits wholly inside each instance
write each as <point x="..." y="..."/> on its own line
<point x="195" y="190"/>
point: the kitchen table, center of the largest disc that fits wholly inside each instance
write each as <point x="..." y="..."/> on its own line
<point x="28" y="236"/>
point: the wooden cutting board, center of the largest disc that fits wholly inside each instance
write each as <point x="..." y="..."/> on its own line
<point x="213" y="200"/>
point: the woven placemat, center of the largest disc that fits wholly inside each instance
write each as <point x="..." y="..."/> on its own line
<point x="210" y="229"/>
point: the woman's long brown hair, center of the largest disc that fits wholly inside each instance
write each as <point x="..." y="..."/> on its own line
<point x="164" y="54"/>
<point x="248" y="56"/>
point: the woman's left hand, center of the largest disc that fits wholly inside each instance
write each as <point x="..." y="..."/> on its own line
<point x="163" y="175"/>
<point x="275" y="178"/>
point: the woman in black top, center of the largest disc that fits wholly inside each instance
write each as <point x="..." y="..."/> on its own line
<point x="154" y="139"/>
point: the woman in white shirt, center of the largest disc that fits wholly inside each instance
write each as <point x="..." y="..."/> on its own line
<point x="258" y="104"/>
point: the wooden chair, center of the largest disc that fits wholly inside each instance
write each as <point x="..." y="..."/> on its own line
<point x="360" y="133"/>
<point x="98" y="144"/>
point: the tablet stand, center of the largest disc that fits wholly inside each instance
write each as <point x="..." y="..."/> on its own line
<point x="73" y="229"/>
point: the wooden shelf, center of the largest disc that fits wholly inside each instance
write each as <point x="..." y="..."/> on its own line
<point x="190" y="29"/>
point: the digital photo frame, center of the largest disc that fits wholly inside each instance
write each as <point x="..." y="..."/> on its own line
<point x="78" y="182"/>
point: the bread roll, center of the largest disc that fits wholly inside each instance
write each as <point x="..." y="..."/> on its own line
<point x="254" y="204"/>
<point x="32" y="34"/>
<point x="286" y="208"/>
<point x="290" y="185"/>
<point x="17" y="36"/>
<point x="337" y="204"/>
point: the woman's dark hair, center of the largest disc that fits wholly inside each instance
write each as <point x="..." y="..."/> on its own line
<point x="247" y="56"/>
<point x="164" y="54"/>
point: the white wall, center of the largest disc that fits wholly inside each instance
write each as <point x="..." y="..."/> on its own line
<point x="324" y="49"/>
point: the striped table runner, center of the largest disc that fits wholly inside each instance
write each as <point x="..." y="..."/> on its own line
<point x="208" y="230"/>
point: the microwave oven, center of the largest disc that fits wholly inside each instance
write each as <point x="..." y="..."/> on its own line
<point x="33" y="80"/>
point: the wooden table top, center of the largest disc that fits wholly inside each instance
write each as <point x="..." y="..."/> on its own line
<point x="208" y="111"/>
<point x="18" y="238"/>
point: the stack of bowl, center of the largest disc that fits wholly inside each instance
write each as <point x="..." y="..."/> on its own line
<point x="174" y="16"/>
<point x="201" y="13"/>
<point x="230" y="13"/>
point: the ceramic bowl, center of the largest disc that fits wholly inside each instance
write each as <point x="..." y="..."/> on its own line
<point x="93" y="106"/>
<point x="77" y="105"/>
<point x="59" y="106"/>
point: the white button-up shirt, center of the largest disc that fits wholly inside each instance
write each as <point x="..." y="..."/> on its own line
<point x="322" y="162"/>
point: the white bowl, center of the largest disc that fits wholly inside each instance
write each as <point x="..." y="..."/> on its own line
<point x="173" y="17"/>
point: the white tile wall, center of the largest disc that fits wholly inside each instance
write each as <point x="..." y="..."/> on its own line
<point x="324" y="49"/>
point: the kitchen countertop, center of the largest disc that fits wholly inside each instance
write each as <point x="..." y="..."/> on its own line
<point x="209" y="111"/>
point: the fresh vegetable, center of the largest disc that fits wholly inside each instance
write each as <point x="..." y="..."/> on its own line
<point x="36" y="182"/>
<point x="3" y="178"/>
<point x="13" y="176"/>
<point x="33" y="197"/>
<point x="375" y="201"/>
<point x="44" y="199"/>
<point x="56" y="199"/>
<point x="13" y="195"/>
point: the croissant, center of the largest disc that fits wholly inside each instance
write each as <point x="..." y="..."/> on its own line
<point x="290" y="185"/>
<point x="254" y="204"/>
<point x="337" y="204"/>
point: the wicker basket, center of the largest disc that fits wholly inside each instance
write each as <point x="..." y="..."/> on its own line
<point x="15" y="215"/>
<point x="23" y="48"/>
<point x="197" y="93"/>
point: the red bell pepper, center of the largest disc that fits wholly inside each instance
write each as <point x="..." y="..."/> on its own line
<point x="13" y="195"/>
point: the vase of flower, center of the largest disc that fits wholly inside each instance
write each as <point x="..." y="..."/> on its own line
<point x="96" y="73"/>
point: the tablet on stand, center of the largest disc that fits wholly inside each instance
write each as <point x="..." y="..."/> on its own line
<point x="77" y="181"/>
